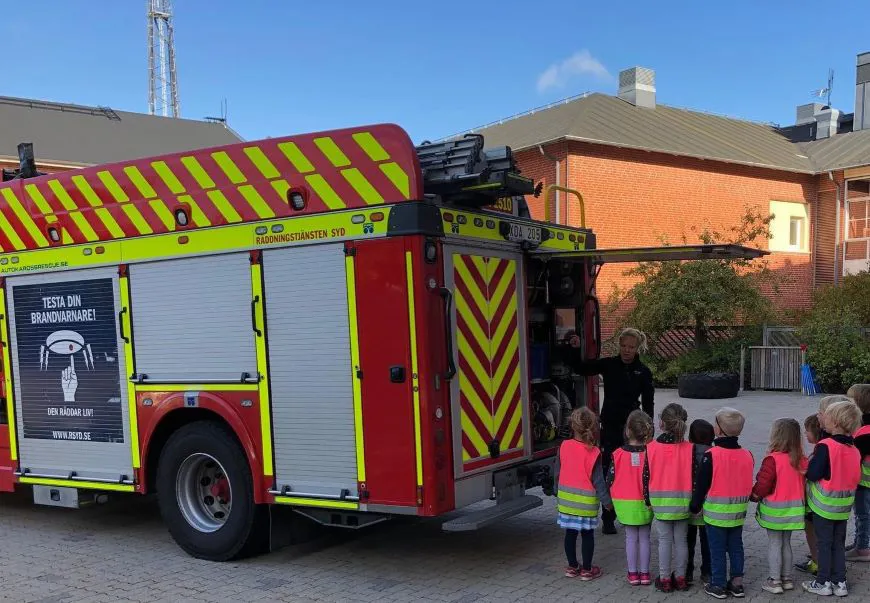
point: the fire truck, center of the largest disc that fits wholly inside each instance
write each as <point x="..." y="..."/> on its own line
<point x="342" y="322"/>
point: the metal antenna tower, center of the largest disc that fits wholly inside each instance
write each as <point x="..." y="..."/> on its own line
<point x="162" y="77"/>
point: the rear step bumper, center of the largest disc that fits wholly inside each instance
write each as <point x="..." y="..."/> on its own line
<point x="497" y="512"/>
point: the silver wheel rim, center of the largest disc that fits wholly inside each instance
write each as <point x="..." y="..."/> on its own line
<point x="204" y="492"/>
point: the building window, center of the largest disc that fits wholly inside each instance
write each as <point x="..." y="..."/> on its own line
<point x="789" y="228"/>
<point x="859" y="218"/>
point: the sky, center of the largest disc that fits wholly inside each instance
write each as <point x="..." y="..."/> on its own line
<point x="434" y="68"/>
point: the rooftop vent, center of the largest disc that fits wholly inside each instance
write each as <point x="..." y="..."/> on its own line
<point x="638" y="86"/>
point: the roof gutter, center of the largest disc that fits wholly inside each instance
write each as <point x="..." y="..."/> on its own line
<point x="558" y="183"/>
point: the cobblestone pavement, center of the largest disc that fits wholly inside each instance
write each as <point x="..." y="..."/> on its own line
<point x="121" y="552"/>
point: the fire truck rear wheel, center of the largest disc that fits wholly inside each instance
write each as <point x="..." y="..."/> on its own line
<point x="205" y="493"/>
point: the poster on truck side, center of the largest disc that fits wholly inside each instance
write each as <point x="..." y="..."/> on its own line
<point x="67" y="344"/>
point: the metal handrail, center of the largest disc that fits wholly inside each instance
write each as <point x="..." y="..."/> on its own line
<point x="564" y="189"/>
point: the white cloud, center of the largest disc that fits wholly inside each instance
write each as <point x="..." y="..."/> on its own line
<point x="559" y="74"/>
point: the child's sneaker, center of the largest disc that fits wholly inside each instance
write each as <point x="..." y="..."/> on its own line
<point x="705" y="579"/>
<point x="840" y="589"/>
<point x="679" y="583"/>
<point x="591" y="573"/>
<point x="787" y="584"/>
<point x="773" y="586"/>
<point x="664" y="585"/>
<point x="572" y="572"/>
<point x="645" y="579"/>
<point x="634" y="578"/>
<point x="818" y="588"/>
<point x="808" y="567"/>
<point x="715" y="591"/>
<point x="735" y="590"/>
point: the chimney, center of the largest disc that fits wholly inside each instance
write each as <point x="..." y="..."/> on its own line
<point x="862" y="94"/>
<point x="806" y="114"/>
<point x="638" y="86"/>
<point x="828" y="120"/>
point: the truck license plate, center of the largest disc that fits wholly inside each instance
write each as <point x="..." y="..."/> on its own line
<point x="524" y="232"/>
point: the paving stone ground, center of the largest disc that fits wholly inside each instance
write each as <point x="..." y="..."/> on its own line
<point x="122" y="552"/>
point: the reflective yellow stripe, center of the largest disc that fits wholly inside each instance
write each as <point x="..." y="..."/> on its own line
<point x="86" y="190"/>
<point x="7" y="379"/>
<point x="324" y="191"/>
<point x="257" y="203"/>
<point x="109" y="221"/>
<point x="261" y="162"/>
<point x="362" y="186"/>
<point x="200" y="175"/>
<point x="196" y="387"/>
<point x="163" y="213"/>
<point x="415" y="378"/>
<point x="229" y="167"/>
<point x="281" y="187"/>
<point x="371" y="146"/>
<point x="24" y="217"/>
<point x="295" y="156"/>
<point x="124" y="286"/>
<point x="335" y="155"/>
<point x="10" y="233"/>
<point x="315" y="502"/>
<point x="168" y="177"/>
<point x="62" y="196"/>
<point x="354" y="361"/>
<point x="39" y="481"/>
<point x="139" y="182"/>
<point x="196" y="214"/>
<point x="224" y="206"/>
<point x="397" y="176"/>
<point x="258" y="293"/>
<point x="135" y="216"/>
<point x="113" y="187"/>
<point x="36" y="195"/>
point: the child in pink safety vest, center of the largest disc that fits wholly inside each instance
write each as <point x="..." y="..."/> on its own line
<point x="626" y="489"/>
<point x="582" y="489"/>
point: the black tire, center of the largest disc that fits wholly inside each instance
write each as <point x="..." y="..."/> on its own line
<point x="246" y="528"/>
<point x="708" y="386"/>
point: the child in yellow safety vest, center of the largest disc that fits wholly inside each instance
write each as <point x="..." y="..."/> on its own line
<point x="833" y="476"/>
<point x="780" y="491"/>
<point x="860" y="549"/>
<point x="582" y="489"/>
<point x="626" y="488"/>
<point x="722" y="490"/>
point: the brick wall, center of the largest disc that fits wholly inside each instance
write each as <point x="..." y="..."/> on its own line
<point x="633" y="198"/>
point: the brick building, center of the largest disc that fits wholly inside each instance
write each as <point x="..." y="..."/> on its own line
<point x="648" y="171"/>
<point x="66" y="136"/>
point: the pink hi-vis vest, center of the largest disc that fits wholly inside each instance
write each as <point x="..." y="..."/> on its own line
<point x="670" y="479"/>
<point x="785" y="507"/>
<point x="865" y="462"/>
<point x="728" y="497"/>
<point x="577" y="494"/>
<point x="627" y="488"/>
<point x="833" y="498"/>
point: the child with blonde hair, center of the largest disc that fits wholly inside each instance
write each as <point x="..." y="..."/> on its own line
<point x="780" y="491"/>
<point x="860" y="549"/>
<point x="626" y="489"/>
<point x="667" y="484"/>
<point x="833" y="476"/>
<point x="582" y="489"/>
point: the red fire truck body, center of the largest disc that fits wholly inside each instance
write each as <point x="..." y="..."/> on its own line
<point x="341" y="322"/>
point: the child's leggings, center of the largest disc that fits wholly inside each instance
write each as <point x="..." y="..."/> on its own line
<point x="637" y="548"/>
<point x="587" y="547"/>
<point x="673" y="536"/>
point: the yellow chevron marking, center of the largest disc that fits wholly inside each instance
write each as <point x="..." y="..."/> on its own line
<point x="200" y="175"/>
<point x="261" y="162"/>
<point x="224" y="206"/>
<point x="73" y="211"/>
<point x="36" y="195"/>
<point x="398" y="177"/>
<point x="62" y="196"/>
<point x="324" y="191"/>
<point x="281" y="187"/>
<point x="359" y="183"/>
<point x="163" y="213"/>
<point x="24" y="217"/>
<point x="514" y="425"/>
<point x="139" y="182"/>
<point x="469" y="430"/>
<point x="10" y="233"/>
<point x="296" y="157"/>
<point x="196" y="214"/>
<point x="137" y="219"/>
<point x="168" y="177"/>
<point x="257" y="202"/>
<point x="109" y="221"/>
<point x="113" y="187"/>
<point x="85" y="189"/>
<point x="229" y="167"/>
<point x="371" y="146"/>
<point x="335" y="155"/>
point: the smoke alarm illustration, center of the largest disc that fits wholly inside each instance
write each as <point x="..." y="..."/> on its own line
<point x="66" y="343"/>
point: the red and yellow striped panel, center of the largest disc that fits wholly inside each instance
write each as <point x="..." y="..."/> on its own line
<point x="488" y="342"/>
<point x="242" y="182"/>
